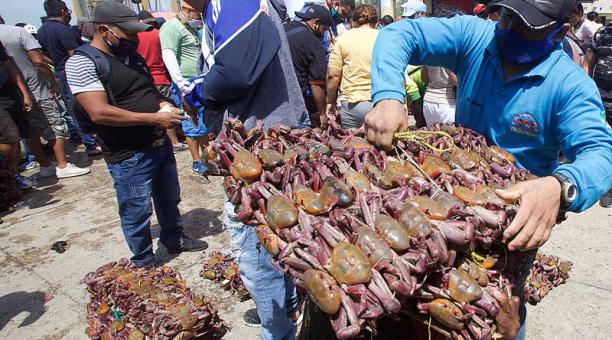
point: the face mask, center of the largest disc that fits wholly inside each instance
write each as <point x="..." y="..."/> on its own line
<point x="124" y="49"/>
<point x="195" y="23"/>
<point x="333" y="11"/>
<point x="519" y="51"/>
<point x="317" y="31"/>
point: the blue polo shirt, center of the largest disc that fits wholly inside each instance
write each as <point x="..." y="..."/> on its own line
<point x="553" y="107"/>
<point x="57" y="39"/>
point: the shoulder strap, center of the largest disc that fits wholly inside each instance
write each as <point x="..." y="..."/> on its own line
<point x="103" y="67"/>
<point x="296" y="30"/>
<point x="415" y="70"/>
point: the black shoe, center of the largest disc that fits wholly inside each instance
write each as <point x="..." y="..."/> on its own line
<point x="188" y="244"/>
<point x="251" y="319"/>
<point x="606" y="200"/>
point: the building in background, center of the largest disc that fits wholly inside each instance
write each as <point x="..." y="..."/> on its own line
<point x="84" y="8"/>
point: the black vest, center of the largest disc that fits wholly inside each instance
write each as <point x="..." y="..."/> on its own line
<point x="133" y="89"/>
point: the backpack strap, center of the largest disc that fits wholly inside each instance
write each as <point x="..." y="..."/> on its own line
<point x="103" y="67"/>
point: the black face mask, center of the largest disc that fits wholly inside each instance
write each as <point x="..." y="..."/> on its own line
<point x="125" y="48"/>
<point x="317" y="31"/>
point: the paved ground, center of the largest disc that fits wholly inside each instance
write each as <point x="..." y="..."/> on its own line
<point x="41" y="298"/>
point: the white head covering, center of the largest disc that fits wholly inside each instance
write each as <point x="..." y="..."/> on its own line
<point x="411" y="7"/>
<point x="31" y="29"/>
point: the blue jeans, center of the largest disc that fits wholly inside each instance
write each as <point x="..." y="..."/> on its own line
<point x="148" y="174"/>
<point x="273" y="292"/>
<point x="88" y="140"/>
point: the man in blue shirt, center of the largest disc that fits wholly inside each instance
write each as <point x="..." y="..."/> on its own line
<point x="249" y="76"/>
<point x="60" y="41"/>
<point x="519" y="89"/>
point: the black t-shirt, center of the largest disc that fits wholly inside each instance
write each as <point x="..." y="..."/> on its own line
<point x="7" y="88"/>
<point x="4" y="77"/>
<point x="57" y="39"/>
<point x="307" y="54"/>
<point x="132" y="87"/>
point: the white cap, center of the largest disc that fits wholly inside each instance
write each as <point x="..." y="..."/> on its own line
<point x="31" y="29"/>
<point x="411" y="7"/>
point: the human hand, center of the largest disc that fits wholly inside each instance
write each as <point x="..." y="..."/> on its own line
<point x="167" y="120"/>
<point x="508" y="320"/>
<point x="331" y="109"/>
<point x="540" y="199"/>
<point x="264" y="7"/>
<point x="384" y="121"/>
<point x="323" y="120"/>
<point x="27" y="103"/>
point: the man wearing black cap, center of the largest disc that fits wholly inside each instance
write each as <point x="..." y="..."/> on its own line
<point x="518" y="88"/>
<point x="308" y="57"/>
<point x="129" y="116"/>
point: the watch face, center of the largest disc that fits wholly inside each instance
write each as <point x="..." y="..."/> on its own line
<point x="572" y="192"/>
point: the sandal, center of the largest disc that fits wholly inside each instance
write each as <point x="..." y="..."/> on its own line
<point x="180" y="147"/>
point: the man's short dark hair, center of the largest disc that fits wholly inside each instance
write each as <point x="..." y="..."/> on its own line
<point x="54" y="8"/>
<point x="578" y="9"/>
<point x="345" y="3"/>
<point x="386" y="20"/>
<point x="592" y="15"/>
<point x="447" y="11"/>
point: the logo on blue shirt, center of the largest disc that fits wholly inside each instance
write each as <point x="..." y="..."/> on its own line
<point x="525" y="124"/>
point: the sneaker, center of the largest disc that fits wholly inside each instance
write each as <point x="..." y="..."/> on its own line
<point x="606" y="200"/>
<point x="199" y="168"/>
<point x="27" y="165"/>
<point x="71" y="170"/>
<point x="24" y="183"/>
<point x="251" y="319"/>
<point x="94" y="152"/>
<point x="48" y="171"/>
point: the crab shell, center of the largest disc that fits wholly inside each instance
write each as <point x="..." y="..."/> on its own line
<point x="246" y="166"/>
<point x="281" y="212"/>
<point x="323" y="290"/>
<point x="447" y="313"/>
<point x="309" y="200"/>
<point x="350" y="265"/>
<point x="463" y="288"/>
<point x="392" y="232"/>
<point x="268" y="239"/>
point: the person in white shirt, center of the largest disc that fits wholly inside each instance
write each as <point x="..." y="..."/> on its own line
<point x="582" y="28"/>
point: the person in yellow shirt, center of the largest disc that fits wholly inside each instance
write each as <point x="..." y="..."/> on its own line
<point x="415" y="90"/>
<point x="349" y="69"/>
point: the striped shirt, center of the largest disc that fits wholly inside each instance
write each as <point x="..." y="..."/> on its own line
<point x="82" y="76"/>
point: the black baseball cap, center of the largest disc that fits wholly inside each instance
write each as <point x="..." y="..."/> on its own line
<point x="146" y="17"/>
<point x="112" y="12"/>
<point x="316" y="12"/>
<point x="538" y="14"/>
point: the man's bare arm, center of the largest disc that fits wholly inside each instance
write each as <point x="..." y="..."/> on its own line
<point x="17" y="78"/>
<point x="42" y="62"/>
<point x="100" y="111"/>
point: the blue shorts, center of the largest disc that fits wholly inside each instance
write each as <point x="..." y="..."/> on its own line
<point x="189" y="127"/>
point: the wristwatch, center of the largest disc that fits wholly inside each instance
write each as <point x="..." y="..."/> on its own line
<point x="569" y="190"/>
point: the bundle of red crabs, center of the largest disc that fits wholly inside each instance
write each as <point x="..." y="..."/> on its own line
<point x="369" y="232"/>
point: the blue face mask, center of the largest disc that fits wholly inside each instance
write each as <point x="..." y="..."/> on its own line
<point x="520" y="51"/>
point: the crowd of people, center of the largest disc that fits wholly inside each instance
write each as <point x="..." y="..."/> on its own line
<point x="534" y="77"/>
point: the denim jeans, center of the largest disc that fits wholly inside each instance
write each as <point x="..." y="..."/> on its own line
<point x="88" y="140"/>
<point x="148" y="174"/>
<point x="273" y="292"/>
